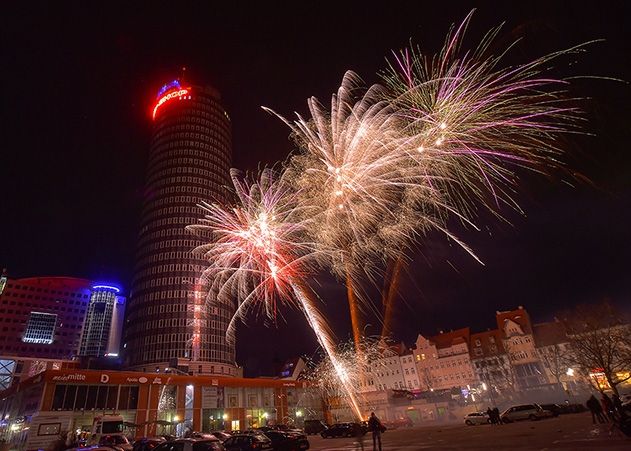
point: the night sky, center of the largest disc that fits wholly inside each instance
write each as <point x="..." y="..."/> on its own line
<point x="78" y="83"/>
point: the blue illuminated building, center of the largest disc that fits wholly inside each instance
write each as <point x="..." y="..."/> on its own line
<point x="104" y="322"/>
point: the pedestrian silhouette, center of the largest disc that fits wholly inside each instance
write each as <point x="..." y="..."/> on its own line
<point x="597" y="412"/>
<point x="607" y="404"/>
<point x="489" y="412"/>
<point x="496" y="416"/>
<point x="375" y="426"/>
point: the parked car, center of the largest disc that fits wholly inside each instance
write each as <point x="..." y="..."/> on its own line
<point x="147" y="443"/>
<point x="221" y="435"/>
<point x="286" y="441"/>
<point x="119" y="441"/>
<point x="475" y="418"/>
<point x="314" y="426"/>
<point x="554" y="409"/>
<point x="395" y="424"/>
<point x="191" y="444"/>
<point x="572" y="408"/>
<point x="343" y="430"/>
<point x="201" y="435"/>
<point x="523" y="412"/>
<point x="247" y="442"/>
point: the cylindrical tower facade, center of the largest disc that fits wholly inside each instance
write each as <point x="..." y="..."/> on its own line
<point x="168" y="322"/>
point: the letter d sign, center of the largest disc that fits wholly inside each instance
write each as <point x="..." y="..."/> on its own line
<point x="105" y="378"/>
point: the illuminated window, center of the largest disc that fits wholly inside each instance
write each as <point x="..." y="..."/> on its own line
<point x="40" y="328"/>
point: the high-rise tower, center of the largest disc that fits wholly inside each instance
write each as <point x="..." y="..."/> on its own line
<point x="103" y="323"/>
<point x="168" y="323"/>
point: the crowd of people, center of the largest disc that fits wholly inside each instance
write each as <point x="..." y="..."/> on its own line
<point x="494" y="415"/>
<point x="609" y="410"/>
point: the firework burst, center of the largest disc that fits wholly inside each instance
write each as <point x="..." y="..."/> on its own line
<point x="255" y="247"/>
<point x="468" y="122"/>
<point x="375" y="171"/>
<point x="257" y="255"/>
<point x="348" y="173"/>
<point x="440" y="137"/>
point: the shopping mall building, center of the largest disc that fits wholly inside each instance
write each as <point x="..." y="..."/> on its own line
<point x="37" y="410"/>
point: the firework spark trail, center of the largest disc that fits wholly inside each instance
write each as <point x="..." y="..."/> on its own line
<point x="360" y="361"/>
<point x="325" y="338"/>
<point x="257" y="254"/>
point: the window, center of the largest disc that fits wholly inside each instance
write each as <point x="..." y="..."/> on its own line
<point x="40" y="328"/>
<point x="49" y="429"/>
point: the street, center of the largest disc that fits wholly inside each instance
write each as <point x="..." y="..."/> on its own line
<point x="568" y="432"/>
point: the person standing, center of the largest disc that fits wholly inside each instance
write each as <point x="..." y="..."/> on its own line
<point x="594" y="407"/>
<point x="617" y="406"/>
<point x="496" y="416"/>
<point x="607" y="404"/>
<point x="489" y="412"/>
<point x="375" y="426"/>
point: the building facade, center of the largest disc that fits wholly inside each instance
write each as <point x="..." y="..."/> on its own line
<point x="39" y="409"/>
<point x="491" y="363"/>
<point x="104" y="323"/>
<point x="41" y="321"/>
<point x="409" y="371"/>
<point x="443" y="361"/>
<point x="169" y="322"/>
<point x="518" y="341"/>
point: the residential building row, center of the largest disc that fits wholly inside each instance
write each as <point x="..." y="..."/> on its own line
<point x="515" y="356"/>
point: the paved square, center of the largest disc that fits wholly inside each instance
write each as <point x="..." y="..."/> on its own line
<point x="568" y="432"/>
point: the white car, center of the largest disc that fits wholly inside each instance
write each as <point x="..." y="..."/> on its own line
<point x="473" y="418"/>
<point x="524" y="412"/>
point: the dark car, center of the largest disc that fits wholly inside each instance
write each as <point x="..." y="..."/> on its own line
<point x="343" y="430"/>
<point x="314" y="426"/>
<point x="287" y="441"/>
<point x="221" y="435"/>
<point x="555" y="409"/>
<point x="572" y="408"/>
<point x="247" y="442"/>
<point x="191" y="444"/>
<point x="115" y="440"/>
<point x="147" y="443"/>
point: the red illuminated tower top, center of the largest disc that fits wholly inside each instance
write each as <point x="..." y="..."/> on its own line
<point x="173" y="91"/>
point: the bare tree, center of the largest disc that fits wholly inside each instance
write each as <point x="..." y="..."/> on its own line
<point x="426" y="377"/>
<point x="554" y="360"/>
<point x="508" y="374"/>
<point x="507" y="377"/>
<point x="598" y="338"/>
